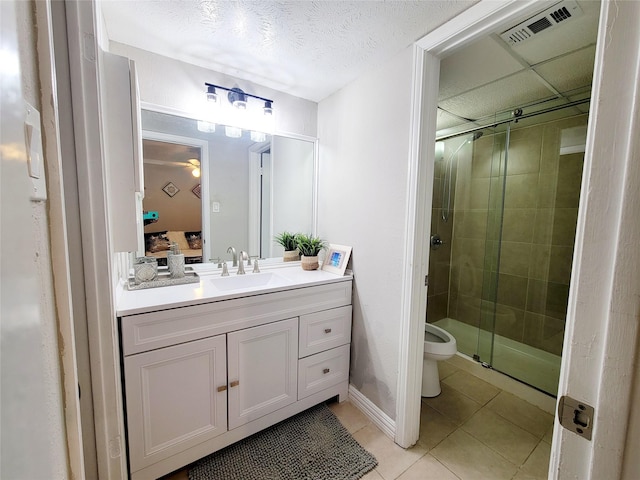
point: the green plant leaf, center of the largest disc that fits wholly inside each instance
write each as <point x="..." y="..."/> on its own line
<point x="287" y="240"/>
<point x="310" y="246"/>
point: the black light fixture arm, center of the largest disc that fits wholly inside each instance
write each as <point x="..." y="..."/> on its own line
<point x="238" y="91"/>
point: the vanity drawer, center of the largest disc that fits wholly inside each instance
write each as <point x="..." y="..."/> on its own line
<point x="324" y="330"/>
<point x="323" y="370"/>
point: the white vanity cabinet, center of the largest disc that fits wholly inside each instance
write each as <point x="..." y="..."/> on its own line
<point x="262" y="370"/>
<point x="176" y="398"/>
<point x="198" y="378"/>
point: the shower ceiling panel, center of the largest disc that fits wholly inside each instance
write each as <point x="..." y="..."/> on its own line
<point x="566" y="72"/>
<point x="479" y="80"/>
<point x="518" y="89"/>
<point x="477" y="65"/>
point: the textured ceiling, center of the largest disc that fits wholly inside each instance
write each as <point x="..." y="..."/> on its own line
<point x="311" y="49"/>
<point x="305" y="48"/>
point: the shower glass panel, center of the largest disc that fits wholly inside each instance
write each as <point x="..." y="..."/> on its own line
<point x="459" y="221"/>
<point x="500" y="280"/>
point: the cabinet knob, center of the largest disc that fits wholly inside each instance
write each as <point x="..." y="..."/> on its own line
<point x="325" y="370"/>
<point x="235" y="383"/>
<point x="222" y="388"/>
<point x="327" y="330"/>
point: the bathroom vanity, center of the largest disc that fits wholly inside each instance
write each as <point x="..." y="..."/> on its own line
<point x="208" y="364"/>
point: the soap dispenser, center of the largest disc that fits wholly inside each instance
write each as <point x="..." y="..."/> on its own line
<point x="175" y="261"/>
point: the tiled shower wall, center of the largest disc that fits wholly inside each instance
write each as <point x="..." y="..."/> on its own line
<point x="528" y="273"/>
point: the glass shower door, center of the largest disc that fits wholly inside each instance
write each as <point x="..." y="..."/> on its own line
<point x="531" y="222"/>
<point x="464" y="169"/>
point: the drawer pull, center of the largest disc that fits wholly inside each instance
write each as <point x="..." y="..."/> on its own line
<point x="235" y="383"/>
<point x="325" y="370"/>
<point x="327" y="330"/>
<point x="222" y="388"/>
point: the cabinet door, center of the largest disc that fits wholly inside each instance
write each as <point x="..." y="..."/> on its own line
<point x="176" y="398"/>
<point x="262" y="365"/>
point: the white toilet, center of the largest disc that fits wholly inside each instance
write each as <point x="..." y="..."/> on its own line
<point x="438" y="345"/>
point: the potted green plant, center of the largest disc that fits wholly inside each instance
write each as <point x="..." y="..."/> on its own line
<point x="290" y="245"/>
<point x="309" y="247"/>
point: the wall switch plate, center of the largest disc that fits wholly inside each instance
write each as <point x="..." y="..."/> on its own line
<point x="215" y="207"/>
<point x="35" y="158"/>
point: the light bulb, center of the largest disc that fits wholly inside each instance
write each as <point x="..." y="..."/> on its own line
<point x="206" y="127"/>
<point x="196" y="172"/>
<point x="212" y="96"/>
<point x="232" y="132"/>
<point x="258" y="136"/>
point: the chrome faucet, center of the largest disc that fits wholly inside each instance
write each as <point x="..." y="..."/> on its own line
<point x="243" y="255"/>
<point x="232" y="251"/>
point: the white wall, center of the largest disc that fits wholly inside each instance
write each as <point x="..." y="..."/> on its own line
<point x="364" y="147"/>
<point x="229" y="185"/>
<point x="171" y="83"/>
<point x="292" y="167"/>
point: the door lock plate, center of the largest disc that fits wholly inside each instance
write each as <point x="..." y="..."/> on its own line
<point x="576" y="416"/>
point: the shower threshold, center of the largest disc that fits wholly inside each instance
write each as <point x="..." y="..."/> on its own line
<point x="522" y="362"/>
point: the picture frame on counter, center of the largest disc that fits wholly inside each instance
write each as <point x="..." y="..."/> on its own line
<point x="336" y="259"/>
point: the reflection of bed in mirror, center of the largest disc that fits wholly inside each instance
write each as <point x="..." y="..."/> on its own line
<point x="157" y="245"/>
<point x="249" y="190"/>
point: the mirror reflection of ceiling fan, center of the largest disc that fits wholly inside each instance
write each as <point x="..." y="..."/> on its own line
<point x="192" y="163"/>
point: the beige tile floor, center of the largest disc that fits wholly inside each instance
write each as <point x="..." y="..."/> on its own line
<point x="471" y="431"/>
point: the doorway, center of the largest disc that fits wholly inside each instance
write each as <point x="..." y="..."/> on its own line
<point x="504" y="214"/>
<point x="173" y="200"/>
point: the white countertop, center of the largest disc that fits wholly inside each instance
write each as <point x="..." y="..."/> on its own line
<point x="280" y="278"/>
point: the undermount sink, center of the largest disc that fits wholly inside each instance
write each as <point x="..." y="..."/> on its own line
<point x="248" y="281"/>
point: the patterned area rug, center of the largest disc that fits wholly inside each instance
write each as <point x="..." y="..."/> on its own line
<point x="312" y="445"/>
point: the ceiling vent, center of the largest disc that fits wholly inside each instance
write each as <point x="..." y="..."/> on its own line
<point x="559" y="14"/>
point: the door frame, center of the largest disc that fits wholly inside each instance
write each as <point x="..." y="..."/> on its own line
<point x="255" y="199"/>
<point x="203" y="145"/>
<point x="610" y="121"/>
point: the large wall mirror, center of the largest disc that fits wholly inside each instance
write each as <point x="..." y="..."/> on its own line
<point x="208" y="188"/>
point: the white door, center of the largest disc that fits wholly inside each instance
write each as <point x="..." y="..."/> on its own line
<point x="27" y="437"/>
<point x="176" y="398"/>
<point x="262" y="370"/>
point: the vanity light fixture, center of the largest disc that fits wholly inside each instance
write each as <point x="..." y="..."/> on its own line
<point x="212" y="96"/>
<point x="238" y="97"/>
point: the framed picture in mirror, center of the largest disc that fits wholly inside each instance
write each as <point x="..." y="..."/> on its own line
<point x="170" y="189"/>
<point x="336" y="259"/>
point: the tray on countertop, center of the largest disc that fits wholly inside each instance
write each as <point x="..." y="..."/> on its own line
<point x="164" y="280"/>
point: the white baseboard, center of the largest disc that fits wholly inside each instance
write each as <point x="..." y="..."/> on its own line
<point x="377" y="416"/>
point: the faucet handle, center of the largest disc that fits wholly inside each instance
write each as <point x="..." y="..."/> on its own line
<point x="225" y="270"/>
<point x="256" y="268"/>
